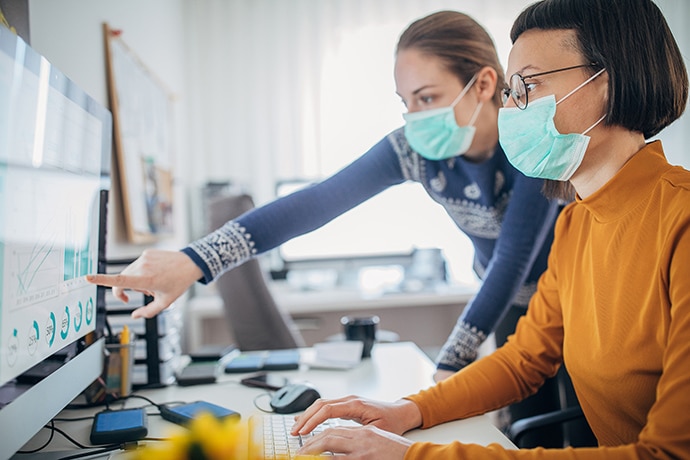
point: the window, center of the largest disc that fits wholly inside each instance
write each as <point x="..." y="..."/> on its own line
<point x="356" y="82"/>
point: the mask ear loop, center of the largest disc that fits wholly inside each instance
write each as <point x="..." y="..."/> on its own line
<point x="577" y="88"/>
<point x="595" y="123"/>
<point x="581" y="85"/>
<point x="475" y="114"/>
<point x="464" y="90"/>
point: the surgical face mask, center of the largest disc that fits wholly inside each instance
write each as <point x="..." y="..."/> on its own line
<point x="534" y="146"/>
<point x="435" y="134"/>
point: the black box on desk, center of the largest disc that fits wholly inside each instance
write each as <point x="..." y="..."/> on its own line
<point x="157" y="343"/>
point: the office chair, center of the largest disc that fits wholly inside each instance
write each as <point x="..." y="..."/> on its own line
<point x="254" y="318"/>
<point x="534" y="431"/>
<point x="520" y="429"/>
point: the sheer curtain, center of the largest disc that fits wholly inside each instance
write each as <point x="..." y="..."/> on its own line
<point x="285" y="88"/>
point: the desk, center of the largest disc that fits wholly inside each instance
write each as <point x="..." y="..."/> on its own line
<point x="395" y="370"/>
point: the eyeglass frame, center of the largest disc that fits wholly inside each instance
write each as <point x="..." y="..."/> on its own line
<point x="509" y="93"/>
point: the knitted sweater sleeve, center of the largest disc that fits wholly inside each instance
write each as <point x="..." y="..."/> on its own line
<point x="268" y="226"/>
<point x="526" y="232"/>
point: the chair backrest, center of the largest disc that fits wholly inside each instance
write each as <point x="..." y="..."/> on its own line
<point x="255" y="319"/>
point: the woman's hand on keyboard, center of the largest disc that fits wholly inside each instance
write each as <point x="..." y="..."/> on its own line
<point x="397" y="417"/>
<point x="163" y="275"/>
<point x="364" y="442"/>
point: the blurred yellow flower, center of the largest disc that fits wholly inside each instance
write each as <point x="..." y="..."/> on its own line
<point x="207" y="439"/>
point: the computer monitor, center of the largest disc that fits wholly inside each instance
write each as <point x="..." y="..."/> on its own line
<point x="55" y="144"/>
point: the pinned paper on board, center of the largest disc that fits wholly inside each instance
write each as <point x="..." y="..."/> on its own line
<point x="142" y="110"/>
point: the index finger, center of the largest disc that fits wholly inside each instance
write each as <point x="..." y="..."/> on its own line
<point x="119" y="280"/>
<point x="320" y="411"/>
<point x="335" y="440"/>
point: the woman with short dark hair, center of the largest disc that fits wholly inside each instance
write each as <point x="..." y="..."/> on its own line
<point x="590" y="81"/>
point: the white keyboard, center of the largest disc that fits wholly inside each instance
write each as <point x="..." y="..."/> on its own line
<point x="272" y="431"/>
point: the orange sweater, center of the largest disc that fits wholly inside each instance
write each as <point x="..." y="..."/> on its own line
<point x="614" y="304"/>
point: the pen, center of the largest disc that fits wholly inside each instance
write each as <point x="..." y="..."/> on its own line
<point x="124" y="361"/>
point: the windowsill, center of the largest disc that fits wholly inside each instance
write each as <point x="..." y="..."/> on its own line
<point x="425" y="317"/>
<point x="336" y="299"/>
<point x="296" y="301"/>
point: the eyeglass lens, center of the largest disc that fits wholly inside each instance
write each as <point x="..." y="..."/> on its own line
<point x="518" y="91"/>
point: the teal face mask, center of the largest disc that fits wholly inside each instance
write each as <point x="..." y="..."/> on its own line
<point x="435" y="134"/>
<point x="534" y="146"/>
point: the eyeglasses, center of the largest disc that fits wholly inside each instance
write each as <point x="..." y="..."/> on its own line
<point x="518" y="88"/>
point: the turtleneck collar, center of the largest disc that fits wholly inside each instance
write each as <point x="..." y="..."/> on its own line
<point x="630" y="187"/>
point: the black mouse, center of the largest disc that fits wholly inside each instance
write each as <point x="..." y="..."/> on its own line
<point x="294" y="397"/>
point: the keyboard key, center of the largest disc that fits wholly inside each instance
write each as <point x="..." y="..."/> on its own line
<point x="278" y="443"/>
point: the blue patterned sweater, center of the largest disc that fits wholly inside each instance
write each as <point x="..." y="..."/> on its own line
<point x="503" y="213"/>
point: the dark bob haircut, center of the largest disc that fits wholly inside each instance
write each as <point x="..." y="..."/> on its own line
<point x="648" y="81"/>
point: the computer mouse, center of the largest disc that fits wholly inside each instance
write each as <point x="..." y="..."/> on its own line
<point x="294" y="397"/>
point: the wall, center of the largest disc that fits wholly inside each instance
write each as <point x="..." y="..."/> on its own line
<point x="676" y="137"/>
<point x="69" y="34"/>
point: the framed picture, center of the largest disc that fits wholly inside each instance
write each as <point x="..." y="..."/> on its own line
<point x="142" y="132"/>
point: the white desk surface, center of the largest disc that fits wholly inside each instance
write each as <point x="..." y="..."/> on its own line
<point x="395" y="370"/>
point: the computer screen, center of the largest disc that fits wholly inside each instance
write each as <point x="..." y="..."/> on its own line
<point x="55" y="144"/>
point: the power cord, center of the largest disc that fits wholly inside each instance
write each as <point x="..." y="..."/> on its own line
<point x="50" y="426"/>
<point x="54" y="429"/>
<point x="102" y="450"/>
<point x="68" y="437"/>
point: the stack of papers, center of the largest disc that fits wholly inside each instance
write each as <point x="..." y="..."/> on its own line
<point x="335" y="355"/>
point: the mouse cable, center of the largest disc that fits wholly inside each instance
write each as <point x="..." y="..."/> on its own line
<point x="257" y="405"/>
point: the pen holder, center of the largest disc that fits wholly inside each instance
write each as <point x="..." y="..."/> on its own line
<point x="120" y="362"/>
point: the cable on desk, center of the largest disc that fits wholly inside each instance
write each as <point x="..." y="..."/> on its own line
<point x="50" y="439"/>
<point x="136" y="396"/>
<point x="75" y="419"/>
<point x="95" y="452"/>
<point x="53" y="429"/>
<point x="69" y="438"/>
<point x="261" y="408"/>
